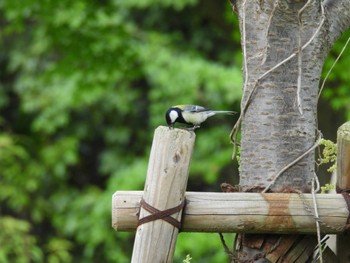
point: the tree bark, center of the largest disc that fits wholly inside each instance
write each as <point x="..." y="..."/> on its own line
<point x="284" y="45"/>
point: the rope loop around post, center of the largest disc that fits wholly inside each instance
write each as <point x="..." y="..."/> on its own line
<point x="158" y="214"/>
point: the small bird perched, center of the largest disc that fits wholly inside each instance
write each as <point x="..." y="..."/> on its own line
<point x="190" y="114"/>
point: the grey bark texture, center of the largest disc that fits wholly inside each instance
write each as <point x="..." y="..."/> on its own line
<point x="279" y="123"/>
<point x="284" y="45"/>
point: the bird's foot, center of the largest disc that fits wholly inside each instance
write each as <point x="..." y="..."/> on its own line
<point x="193" y="128"/>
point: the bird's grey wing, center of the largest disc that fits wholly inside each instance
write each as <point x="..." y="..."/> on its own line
<point x="194" y="108"/>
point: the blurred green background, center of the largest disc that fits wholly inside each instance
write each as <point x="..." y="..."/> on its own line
<point x="83" y="85"/>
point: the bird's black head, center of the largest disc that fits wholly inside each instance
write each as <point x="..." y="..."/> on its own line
<point x="172" y="115"/>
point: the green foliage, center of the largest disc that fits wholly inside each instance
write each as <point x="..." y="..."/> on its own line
<point x="187" y="259"/>
<point x="17" y="243"/>
<point x="337" y="86"/>
<point x="326" y="188"/>
<point x="238" y="154"/>
<point x="83" y="86"/>
<point x="328" y="154"/>
<point x="203" y="247"/>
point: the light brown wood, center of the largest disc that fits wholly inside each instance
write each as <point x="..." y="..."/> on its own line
<point x="243" y="212"/>
<point x="165" y="187"/>
<point x="343" y="160"/>
<point x="343" y="181"/>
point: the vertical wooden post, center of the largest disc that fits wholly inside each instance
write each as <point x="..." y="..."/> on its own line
<point x="343" y="181"/>
<point x="343" y="161"/>
<point x="165" y="188"/>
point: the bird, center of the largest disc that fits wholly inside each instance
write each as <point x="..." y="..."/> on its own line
<point x="190" y="114"/>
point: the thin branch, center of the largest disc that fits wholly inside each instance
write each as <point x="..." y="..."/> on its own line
<point x="244" y="46"/>
<point x="330" y="70"/>
<point x="300" y="57"/>
<point x="317" y="218"/>
<point x="275" y="5"/>
<point x="227" y="250"/>
<point x="317" y="183"/>
<point x="323" y="243"/>
<point x="234" y="132"/>
<point x="293" y="162"/>
<point x="295" y="53"/>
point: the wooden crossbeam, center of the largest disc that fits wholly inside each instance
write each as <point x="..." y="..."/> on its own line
<point x="242" y="212"/>
<point x="282" y="213"/>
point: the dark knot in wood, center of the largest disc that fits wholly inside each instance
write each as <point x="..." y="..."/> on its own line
<point x="177" y="157"/>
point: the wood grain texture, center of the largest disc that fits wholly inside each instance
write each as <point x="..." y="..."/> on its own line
<point x="165" y="187"/>
<point x="343" y="161"/>
<point x="242" y="212"/>
<point x="343" y="181"/>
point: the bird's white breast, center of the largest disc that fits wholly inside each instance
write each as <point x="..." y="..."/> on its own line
<point x="195" y="117"/>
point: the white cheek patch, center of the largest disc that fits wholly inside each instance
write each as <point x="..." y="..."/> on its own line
<point x="173" y="116"/>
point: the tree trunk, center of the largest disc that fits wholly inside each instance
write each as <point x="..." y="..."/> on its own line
<point x="284" y="45"/>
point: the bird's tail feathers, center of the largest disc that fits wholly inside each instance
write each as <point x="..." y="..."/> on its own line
<point x="224" y="112"/>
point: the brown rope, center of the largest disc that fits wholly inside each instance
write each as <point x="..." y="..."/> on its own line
<point x="164" y="215"/>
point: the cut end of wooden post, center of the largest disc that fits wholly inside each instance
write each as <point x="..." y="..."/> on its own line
<point x="344" y="131"/>
<point x="175" y="131"/>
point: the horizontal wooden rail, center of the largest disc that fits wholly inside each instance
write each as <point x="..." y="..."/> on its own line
<point x="242" y="212"/>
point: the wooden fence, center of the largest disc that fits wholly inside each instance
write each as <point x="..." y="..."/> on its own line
<point x="158" y="212"/>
